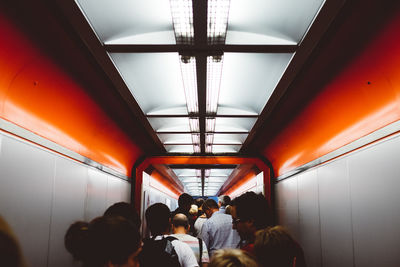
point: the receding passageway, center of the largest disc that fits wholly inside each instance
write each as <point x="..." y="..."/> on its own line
<point x="268" y="129"/>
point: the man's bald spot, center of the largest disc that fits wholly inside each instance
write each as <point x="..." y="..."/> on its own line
<point x="180" y="219"/>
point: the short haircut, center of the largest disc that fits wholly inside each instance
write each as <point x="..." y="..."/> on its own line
<point x="105" y="239"/>
<point x="185" y="200"/>
<point x="232" y="258"/>
<point x="125" y="210"/>
<point x="224" y="200"/>
<point x="275" y="247"/>
<point x="210" y="204"/>
<point x="199" y="202"/>
<point x="157" y="217"/>
<point x="180" y="220"/>
<point x="252" y="206"/>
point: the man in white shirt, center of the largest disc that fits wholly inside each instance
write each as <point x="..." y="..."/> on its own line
<point x="159" y="222"/>
<point x="180" y="229"/>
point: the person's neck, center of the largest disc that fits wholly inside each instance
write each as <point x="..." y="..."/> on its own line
<point x="180" y="230"/>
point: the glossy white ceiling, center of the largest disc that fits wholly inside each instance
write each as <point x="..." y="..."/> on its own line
<point x="213" y="180"/>
<point x="246" y="80"/>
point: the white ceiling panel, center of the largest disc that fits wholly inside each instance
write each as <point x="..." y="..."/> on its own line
<point x="226" y="148"/>
<point x="179" y="148"/>
<point x="170" y="124"/>
<point x="185" y="172"/>
<point x="130" y="21"/>
<point x="248" y="80"/>
<point x="155" y="81"/>
<point x="234" y="139"/>
<point x="175" y="138"/>
<point x="234" y="124"/>
<point x="270" y="22"/>
<point x="221" y="172"/>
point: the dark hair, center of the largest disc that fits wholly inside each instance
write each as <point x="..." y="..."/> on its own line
<point x="224" y="200"/>
<point x="199" y="202"/>
<point x="274" y="247"/>
<point x="252" y="206"/>
<point x="157" y="218"/>
<point x="9" y="251"/>
<point x="210" y="204"/>
<point x="185" y="200"/>
<point x="180" y="219"/>
<point x="125" y="210"/>
<point x="104" y="239"/>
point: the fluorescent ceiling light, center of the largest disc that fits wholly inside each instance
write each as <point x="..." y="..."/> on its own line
<point x="210" y="125"/>
<point x="214" y="74"/>
<point x="194" y="125"/>
<point x="217" y="20"/>
<point x="209" y="149"/>
<point x="189" y="77"/>
<point x="182" y="18"/>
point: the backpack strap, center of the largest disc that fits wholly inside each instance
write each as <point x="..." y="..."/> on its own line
<point x="200" y="250"/>
<point x="171" y="238"/>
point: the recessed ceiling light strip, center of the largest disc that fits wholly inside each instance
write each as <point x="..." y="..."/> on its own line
<point x="217" y="21"/>
<point x="214" y="75"/>
<point x="188" y="69"/>
<point x="182" y="19"/>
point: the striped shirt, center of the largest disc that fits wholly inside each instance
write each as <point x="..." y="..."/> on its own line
<point x="193" y="243"/>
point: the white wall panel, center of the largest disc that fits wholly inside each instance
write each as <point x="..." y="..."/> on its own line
<point x="287" y="205"/>
<point x="335" y="215"/>
<point x="309" y="228"/>
<point x="27" y="174"/>
<point x="114" y="190"/>
<point x="375" y="182"/>
<point x="68" y="206"/>
<point x="96" y="194"/>
<point x="126" y="191"/>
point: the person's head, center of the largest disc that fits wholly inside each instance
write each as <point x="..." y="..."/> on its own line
<point x="223" y="201"/>
<point x="232" y="258"/>
<point x="199" y="202"/>
<point x="274" y="247"/>
<point x="158" y="218"/>
<point x="209" y="207"/>
<point x="180" y="224"/>
<point x="125" y="210"/>
<point x="185" y="201"/>
<point x="250" y="212"/>
<point x="10" y="252"/>
<point x="194" y="210"/>
<point x="104" y="242"/>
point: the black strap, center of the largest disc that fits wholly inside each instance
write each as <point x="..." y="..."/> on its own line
<point x="200" y="250"/>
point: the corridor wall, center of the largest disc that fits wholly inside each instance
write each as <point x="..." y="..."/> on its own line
<point x="346" y="212"/>
<point x="43" y="192"/>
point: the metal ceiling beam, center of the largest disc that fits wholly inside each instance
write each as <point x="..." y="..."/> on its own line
<point x="203" y="166"/>
<point x="199" y="49"/>
<point x="207" y="132"/>
<point x="196" y="115"/>
<point x="200" y="39"/>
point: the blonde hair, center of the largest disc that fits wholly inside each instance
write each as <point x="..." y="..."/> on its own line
<point x="193" y="210"/>
<point x="232" y="258"/>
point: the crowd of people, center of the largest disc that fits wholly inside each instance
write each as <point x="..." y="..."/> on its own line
<point x="198" y="233"/>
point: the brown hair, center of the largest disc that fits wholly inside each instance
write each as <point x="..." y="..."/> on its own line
<point x="274" y="246"/>
<point x="232" y="258"/>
